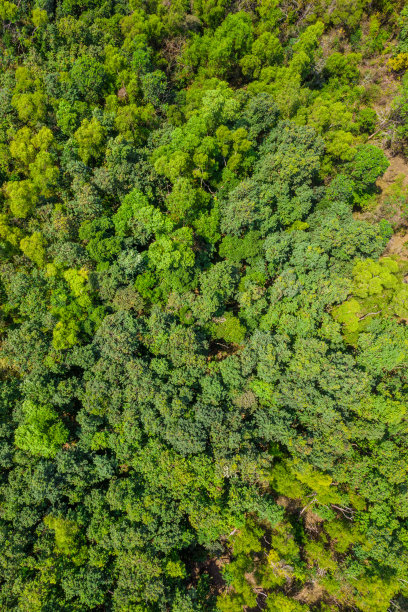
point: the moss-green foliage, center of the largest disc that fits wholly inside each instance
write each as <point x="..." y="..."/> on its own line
<point x="229" y="328"/>
<point x="40" y="431"/>
<point x="90" y="138"/>
<point x="378" y="290"/>
<point x="204" y="350"/>
<point x="34" y="248"/>
<point x="66" y="534"/>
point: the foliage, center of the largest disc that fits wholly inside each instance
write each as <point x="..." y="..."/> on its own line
<point x="204" y="349"/>
<point x="40" y="432"/>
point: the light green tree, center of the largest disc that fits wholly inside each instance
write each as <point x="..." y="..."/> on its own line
<point x="34" y="248"/>
<point x="90" y="137"/>
<point x="23" y="197"/>
<point x="41" y="432"/>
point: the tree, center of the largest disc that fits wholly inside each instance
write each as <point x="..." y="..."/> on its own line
<point x="8" y="11"/>
<point x="154" y="86"/>
<point x="90" y="137"/>
<point x="368" y="165"/>
<point x="31" y="107"/>
<point x="186" y="201"/>
<point x="39" y="17"/>
<point x="88" y="78"/>
<point x="40" y="432"/>
<point x="23" y="197"/>
<point x="34" y="248"/>
<point x="229" y="329"/>
<point x="66" y="534"/>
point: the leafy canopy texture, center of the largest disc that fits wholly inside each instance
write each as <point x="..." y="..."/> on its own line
<point x="203" y="306"/>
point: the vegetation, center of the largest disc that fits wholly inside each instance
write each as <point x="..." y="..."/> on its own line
<point x="204" y="349"/>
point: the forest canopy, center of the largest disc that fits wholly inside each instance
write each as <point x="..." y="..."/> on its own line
<point x="203" y="305"/>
